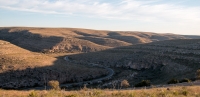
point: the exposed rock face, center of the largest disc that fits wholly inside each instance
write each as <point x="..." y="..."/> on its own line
<point x="161" y="60"/>
<point x="172" y="58"/>
<point x="76" y="45"/>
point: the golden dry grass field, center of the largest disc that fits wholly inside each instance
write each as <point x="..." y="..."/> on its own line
<point x="189" y="91"/>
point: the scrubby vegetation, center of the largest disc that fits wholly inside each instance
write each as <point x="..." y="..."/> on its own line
<point x="198" y="74"/>
<point x="173" y="81"/>
<point x="185" y="80"/>
<point x="124" y="83"/>
<point x="143" y="83"/>
<point x="54" y="85"/>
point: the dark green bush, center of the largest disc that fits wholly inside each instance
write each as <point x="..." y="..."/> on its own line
<point x="198" y="74"/>
<point x="143" y="83"/>
<point x="173" y="81"/>
<point x="185" y="80"/>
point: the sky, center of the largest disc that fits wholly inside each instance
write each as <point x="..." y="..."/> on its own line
<point x="159" y="16"/>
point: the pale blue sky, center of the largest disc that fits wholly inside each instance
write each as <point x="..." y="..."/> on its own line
<point x="160" y="16"/>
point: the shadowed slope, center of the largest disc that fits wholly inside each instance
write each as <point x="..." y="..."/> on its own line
<point x="20" y="68"/>
<point x="157" y="61"/>
<point x="14" y="57"/>
<point x="28" y="40"/>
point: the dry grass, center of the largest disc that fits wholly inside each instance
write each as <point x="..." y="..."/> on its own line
<point x="19" y="58"/>
<point x="16" y="57"/>
<point x="190" y="91"/>
<point x="19" y="61"/>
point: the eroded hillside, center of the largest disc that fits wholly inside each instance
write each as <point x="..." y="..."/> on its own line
<point x="77" y="40"/>
<point x="20" y="68"/>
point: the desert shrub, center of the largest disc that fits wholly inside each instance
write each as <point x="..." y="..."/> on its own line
<point x="54" y="85"/>
<point x="175" y="93"/>
<point x="192" y="79"/>
<point x="33" y="94"/>
<point x="72" y="95"/>
<point x="124" y="83"/>
<point x="185" y="93"/>
<point x="173" y="81"/>
<point x="143" y="83"/>
<point x="185" y="80"/>
<point x="198" y="74"/>
<point x="97" y="92"/>
<point x="85" y="87"/>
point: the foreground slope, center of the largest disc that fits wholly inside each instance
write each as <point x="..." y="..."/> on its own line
<point x="77" y="40"/>
<point x="14" y="57"/>
<point x="191" y="91"/>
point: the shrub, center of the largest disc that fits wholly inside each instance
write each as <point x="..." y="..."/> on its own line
<point x="54" y="85"/>
<point x="198" y="74"/>
<point x="72" y="95"/>
<point x="192" y="79"/>
<point x="143" y="83"/>
<point x="173" y="81"/>
<point x="85" y="87"/>
<point x="185" y="93"/>
<point x="185" y="80"/>
<point x="124" y="83"/>
<point x="33" y="94"/>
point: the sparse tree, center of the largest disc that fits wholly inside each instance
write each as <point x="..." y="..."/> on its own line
<point x="124" y="83"/>
<point x="114" y="85"/>
<point x="85" y="87"/>
<point x="54" y="84"/>
<point x="198" y="74"/>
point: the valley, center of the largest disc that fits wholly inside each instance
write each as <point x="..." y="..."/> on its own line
<point x="30" y="57"/>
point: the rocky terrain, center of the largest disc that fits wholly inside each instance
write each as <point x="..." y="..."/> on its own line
<point x="26" y="56"/>
<point x="156" y="61"/>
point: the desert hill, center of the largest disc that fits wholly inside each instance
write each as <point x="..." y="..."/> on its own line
<point x="77" y="40"/>
<point x="20" y="68"/>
